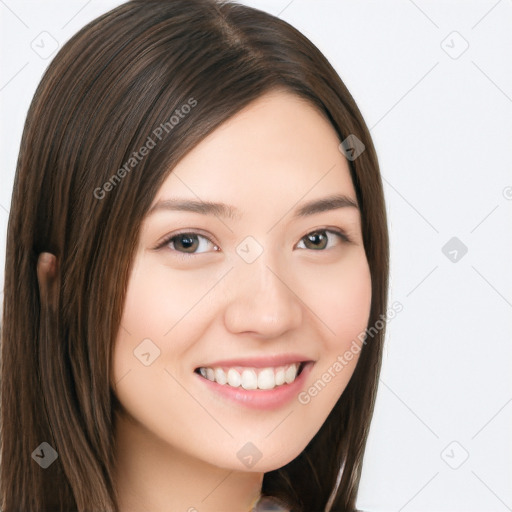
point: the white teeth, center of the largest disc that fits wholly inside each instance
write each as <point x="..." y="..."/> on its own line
<point x="266" y="379"/>
<point x="249" y="379"/>
<point x="220" y="376"/>
<point x="234" y="378"/>
<point x="252" y="378"/>
<point x="290" y="374"/>
<point x="279" y="377"/>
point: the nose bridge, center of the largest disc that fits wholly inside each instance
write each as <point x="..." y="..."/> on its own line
<point x="262" y="300"/>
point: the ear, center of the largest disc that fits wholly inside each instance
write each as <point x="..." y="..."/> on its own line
<point x="46" y="275"/>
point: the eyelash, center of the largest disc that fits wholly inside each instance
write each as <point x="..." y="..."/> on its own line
<point x="340" y="234"/>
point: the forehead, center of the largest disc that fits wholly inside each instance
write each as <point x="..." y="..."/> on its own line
<point x="280" y="146"/>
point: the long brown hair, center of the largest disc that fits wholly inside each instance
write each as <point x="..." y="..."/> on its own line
<point x="107" y="90"/>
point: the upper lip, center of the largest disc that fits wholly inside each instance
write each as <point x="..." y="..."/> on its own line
<point x="259" y="362"/>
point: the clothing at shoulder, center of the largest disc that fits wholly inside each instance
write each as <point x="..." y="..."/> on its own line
<point x="266" y="504"/>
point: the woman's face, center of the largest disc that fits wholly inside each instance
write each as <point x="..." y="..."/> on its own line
<point x="251" y="259"/>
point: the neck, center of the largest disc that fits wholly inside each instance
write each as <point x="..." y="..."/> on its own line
<point x="152" y="475"/>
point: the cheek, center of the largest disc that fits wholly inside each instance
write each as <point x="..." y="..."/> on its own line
<point x="159" y="305"/>
<point x="146" y="318"/>
<point x="341" y="300"/>
<point x="158" y="299"/>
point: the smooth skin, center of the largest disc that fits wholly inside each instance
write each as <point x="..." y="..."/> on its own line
<point x="199" y="301"/>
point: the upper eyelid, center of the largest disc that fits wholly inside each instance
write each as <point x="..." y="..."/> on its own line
<point x="335" y="231"/>
<point x="167" y="239"/>
<point x="166" y="243"/>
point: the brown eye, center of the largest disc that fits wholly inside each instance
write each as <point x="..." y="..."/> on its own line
<point x="191" y="243"/>
<point x="321" y="239"/>
<point x="316" y="240"/>
<point x="186" y="242"/>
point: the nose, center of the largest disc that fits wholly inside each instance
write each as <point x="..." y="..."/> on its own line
<point x="262" y="301"/>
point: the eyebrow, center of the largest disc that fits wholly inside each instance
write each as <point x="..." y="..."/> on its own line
<point x="328" y="203"/>
<point x="325" y="204"/>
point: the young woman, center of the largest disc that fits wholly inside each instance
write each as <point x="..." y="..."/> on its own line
<point x="196" y="272"/>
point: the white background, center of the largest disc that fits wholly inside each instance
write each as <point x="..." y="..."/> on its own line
<point x="441" y="119"/>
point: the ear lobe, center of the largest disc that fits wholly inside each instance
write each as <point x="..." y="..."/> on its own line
<point x="46" y="275"/>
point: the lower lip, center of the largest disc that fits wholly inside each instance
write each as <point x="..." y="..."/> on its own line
<point x="260" y="398"/>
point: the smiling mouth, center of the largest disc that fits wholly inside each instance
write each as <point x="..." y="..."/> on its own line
<point x="253" y="378"/>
